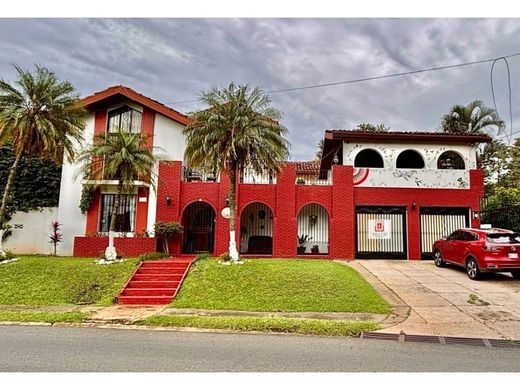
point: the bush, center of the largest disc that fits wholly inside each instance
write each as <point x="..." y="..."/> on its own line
<point x="153" y="256"/>
<point x="166" y="231"/>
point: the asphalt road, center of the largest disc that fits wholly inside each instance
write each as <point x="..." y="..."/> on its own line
<point x="62" y="349"/>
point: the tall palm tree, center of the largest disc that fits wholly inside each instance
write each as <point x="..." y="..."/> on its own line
<point x="474" y="118"/>
<point x="239" y="130"/>
<point x="40" y="116"/>
<point x="122" y="156"/>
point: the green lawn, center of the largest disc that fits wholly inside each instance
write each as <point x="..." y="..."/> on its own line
<point x="44" y="280"/>
<point x="283" y="325"/>
<point x="50" y="317"/>
<point x="279" y="285"/>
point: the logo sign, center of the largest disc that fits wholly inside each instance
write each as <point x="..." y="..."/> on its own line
<point x="380" y="229"/>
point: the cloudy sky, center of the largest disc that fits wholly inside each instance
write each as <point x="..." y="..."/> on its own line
<point x="173" y="60"/>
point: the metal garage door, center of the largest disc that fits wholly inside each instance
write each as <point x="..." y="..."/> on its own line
<point x="381" y="232"/>
<point x="437" y="222"/>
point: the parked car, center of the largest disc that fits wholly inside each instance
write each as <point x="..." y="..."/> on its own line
<point x="480" y="251"/>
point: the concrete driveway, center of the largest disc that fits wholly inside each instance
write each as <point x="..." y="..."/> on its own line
<point x="444" y="301"/>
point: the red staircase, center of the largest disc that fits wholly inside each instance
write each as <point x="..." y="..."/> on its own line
<point x="155" y="282"/>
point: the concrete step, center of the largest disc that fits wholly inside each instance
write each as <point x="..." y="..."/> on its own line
<point x="153" y="284"/>
<point x="143" y="300"/>
<point x="158" y="277"/>
<point x="170" y="270"/>
<point x="131" y="292"/>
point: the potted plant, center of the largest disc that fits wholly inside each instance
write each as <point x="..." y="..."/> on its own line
<point x="302" y="240"/>
<point x="315" y="250"/>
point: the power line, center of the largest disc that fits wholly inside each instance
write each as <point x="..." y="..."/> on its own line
<point x="510" y="99"/>
<point x="313" y="86"/>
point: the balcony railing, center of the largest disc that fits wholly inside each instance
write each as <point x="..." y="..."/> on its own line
<point x="249" y="177"/>
<point x="324" y="178"/>
<point x="194" y="175"/>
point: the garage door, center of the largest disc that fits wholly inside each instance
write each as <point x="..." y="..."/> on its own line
<point x="437" y="222"/>
<point x="381" y="232"/>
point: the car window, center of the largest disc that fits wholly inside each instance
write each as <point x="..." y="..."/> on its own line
<point x="504" y="238"/>
<point x="467" y="236"/>
<point x="457" y="235"/>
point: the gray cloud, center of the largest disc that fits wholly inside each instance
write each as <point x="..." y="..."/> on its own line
<point x="173" y="60"/>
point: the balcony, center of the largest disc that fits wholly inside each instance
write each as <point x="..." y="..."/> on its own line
<point x="324" y="178"/>
<point x="412" y="178"/>
<point x="194" y="175"/>
<point x="249" y="177"/>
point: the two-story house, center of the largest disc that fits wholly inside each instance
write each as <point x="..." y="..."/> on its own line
<point x="373" y="195"/>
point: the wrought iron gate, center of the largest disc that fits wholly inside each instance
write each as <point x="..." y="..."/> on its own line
<point x="199" y="228"/>
<point x="437" y="222"/>
<point x="381" y="232"/>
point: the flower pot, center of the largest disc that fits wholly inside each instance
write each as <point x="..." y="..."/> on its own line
<point x="301" y="250"/>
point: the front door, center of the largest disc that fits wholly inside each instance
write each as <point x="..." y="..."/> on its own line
<point x="199" y="228"/>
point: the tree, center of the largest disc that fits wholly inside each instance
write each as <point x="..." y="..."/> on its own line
<point x="239" y="130"/>
<point x="370" y="128"/>
<point x="474" y="118"/>
<point x="120" y="156"/>
<point x="319" y="153"/>
<point x="40" y="116"/>
<point x="495" y="160"/>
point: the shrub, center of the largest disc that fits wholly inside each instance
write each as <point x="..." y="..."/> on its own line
<point x="153" y="256"/>
<point x="166" y="231"/>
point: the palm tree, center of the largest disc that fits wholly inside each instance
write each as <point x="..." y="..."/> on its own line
<point x="474" y="118"/>
<point x="122" y="156"/>
<point x="40" y="116"/>
<point x="238" y="131"/>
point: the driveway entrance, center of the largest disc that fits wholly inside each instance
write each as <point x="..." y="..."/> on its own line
<point x="445" y="302"/>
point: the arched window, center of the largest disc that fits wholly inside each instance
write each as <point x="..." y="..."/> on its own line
<point x="410" y="159"/>
<point x="450" y="160"/>
<point x="368" y="158"/>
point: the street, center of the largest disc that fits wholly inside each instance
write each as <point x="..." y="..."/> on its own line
<point x="62" y="349"/>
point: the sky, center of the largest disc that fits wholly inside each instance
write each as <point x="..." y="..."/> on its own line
<point x="175" y="60"/>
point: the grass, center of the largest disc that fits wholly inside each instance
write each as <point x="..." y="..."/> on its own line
<point x="45" y="280"/>
<point x="269" y="324"/>
<point x="279" y="285"/>
<point x="50" y="317"/>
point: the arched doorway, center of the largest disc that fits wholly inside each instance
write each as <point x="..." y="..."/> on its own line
<point x="313" y="230"/>
<point x="198" y="220"/>
<point x="256" y="229"/>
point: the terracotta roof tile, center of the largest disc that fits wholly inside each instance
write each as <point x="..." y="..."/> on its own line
<point x="137" y="97"/>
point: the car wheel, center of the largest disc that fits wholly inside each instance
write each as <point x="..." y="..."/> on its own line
<point x="472" y="269"/>
<point x="437" y="258"/>
<point x="516" y="274"/>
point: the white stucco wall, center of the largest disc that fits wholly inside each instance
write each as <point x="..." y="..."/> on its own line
<point x="429" y="177"/>
<point x="69" y="214"/>
<point x="31" y="231"/>
<point x="168" y="137"/>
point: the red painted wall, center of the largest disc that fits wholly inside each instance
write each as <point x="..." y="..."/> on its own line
<point x="126" y="246"/>
<point x="287" y="198"/>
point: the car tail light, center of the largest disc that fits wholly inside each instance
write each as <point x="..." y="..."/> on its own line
<point x="490" y="248"/>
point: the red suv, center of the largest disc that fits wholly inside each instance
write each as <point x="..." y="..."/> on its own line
<point x="479" y="251"/>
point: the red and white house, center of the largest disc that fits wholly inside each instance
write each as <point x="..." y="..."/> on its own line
<point x="372" y="195"/>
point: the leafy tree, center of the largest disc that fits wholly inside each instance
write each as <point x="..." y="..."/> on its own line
<point x="495" y="160"/>
<point x="120" y="156"/>
<point x="40" y="116"/>
<point x="319" y="153"/>
<point x="474" y="118"/>
<point x="370" y="128"/>
<point x="238" y="130"/>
